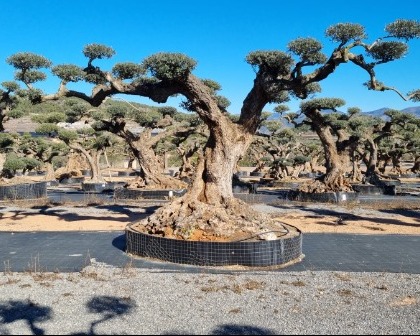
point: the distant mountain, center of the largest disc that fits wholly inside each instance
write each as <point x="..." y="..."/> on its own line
<point x="376" y="113"/>
<point x="379" y="113"/>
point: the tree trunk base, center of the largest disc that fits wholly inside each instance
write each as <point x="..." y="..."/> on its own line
<point x="189" y="219"/>
<point x="320" y="187"/>
<point x="161" y="183"/>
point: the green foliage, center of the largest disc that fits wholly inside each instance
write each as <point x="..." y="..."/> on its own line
<point x="117" y="111"/>
<point x="273" y="62"/>
<point x="175" y="160"/>
<point x="188" y="118"/>
<point x="388" y="51"/>
<point x="35" y="95"/>
<point x="47" y="129"/>
<point x="167" y="110"/>
<point x="13" y="163"/>
<point x="353" y="111"/>
<point x="10" y="86"/>
<point x="68" y="72"/>
<point x="272" y="125"/>
<point x="281" y="108"/>
<point x="128" y="70"/>
<point x="95" y="78"/>
<point x="211" y="84"/>
<point x="222" y="102"/>
<point x="27" y="60"/>
<point x="169" y="66"/>
<point x="415" y="95"/>
<point x="105" y="139"/>
<point x="345" y="32"/>
<point x="321" y="104"/>
<point x="51" y="118"/>
<point x="6" y="141"/>
<point x="75" y="109"/>
<point x="31" y="163"/>
<point x="59" y="161"/>
<point x="300" y="160"/>
<point x="15" y="114"/>
<point x="308" y="49"/>
<point x="67" y="135"/>
<point x="97" y="51"/>
<point x="404" y="29"/>
<point x="26" y="65"/>
<point x="148" y="119"/>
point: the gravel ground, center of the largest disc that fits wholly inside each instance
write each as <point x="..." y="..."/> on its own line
<point x="106" y="300"/>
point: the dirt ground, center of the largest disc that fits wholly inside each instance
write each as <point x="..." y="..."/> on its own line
<point x="381" y="218"/>
<point x="402" y="219"/>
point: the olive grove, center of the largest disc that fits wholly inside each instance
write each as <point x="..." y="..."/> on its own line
<point x="295" y="73"/>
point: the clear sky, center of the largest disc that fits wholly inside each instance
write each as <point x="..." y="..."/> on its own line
<point x="217" y="34"/>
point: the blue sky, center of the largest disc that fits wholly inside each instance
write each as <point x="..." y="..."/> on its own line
<point x="217" y="34"/>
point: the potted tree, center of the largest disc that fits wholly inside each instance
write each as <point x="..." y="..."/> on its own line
<point x="209" y="209"/>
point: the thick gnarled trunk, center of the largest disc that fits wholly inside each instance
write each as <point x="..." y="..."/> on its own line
<point x="209" y="204"/>
<point x="337" y="158"/>
<point x="92" y="160"/>
<point x="151" y="168"/>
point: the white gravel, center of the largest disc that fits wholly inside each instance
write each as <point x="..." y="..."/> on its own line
<point x="107" y="300"/>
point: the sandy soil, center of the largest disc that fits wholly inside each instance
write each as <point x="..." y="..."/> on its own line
<point x="382" y="218"/>
<point x="306" y="217"/>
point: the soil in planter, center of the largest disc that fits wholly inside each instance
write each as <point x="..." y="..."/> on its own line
<point x="198" y="234"/>
<point x="15" y="180"/>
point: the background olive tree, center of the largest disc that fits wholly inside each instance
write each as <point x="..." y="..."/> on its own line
<point x="279" y="76"/>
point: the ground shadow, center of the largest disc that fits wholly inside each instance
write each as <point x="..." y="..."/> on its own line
<point x="27" y="311"/>
<point x="404" y="212"/>
<point x="342" y="216"/>
<point x="109" y="307"/>
<point x="119" y="242"/>
<point x="232" y="329"/>
<point x="71" y="214"/>
<point x="239" y="329"/>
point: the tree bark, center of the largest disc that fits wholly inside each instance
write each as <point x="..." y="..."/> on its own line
<point x="93" y="161"/>
<point x="209" y="203"/>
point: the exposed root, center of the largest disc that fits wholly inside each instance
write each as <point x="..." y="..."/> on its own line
<point x="161" y="183"/>
<point x="233" y="220"/>
<point x="320" y="187"/>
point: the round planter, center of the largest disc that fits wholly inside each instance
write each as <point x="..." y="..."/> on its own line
<point x="86" y="172"/>
<point x="172" y="172"/>
<point x="325" y="197"/>
<point x="95" y="187"/>
<point x="308" y="175"/>
<point x="262" y="253"/>
<point x="396" y="176"/>
<point x="391" y="182"/>
<point x="25" y="191"/>
<point x="367" y="189"/>
<point x="127" y="173"/>
<point x="52" y="183"/>
<point x="111" y="186"/>
<point x="242" y="173"/>
<point x="284" y="184"/>
<point x="241" y="189"/>
<point x="257" y="174"/>
<point x="125" y="193"/>
<point x="72" y="180"/>
<point x="266" y="181"/>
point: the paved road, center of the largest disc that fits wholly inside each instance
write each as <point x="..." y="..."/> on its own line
<point x="71" y="251"/>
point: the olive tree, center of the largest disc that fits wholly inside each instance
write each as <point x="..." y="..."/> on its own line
<point x="209" y="203"/>
<point x="9" y="92"/>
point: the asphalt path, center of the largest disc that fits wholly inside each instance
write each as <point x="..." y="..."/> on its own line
<point x="71" y="251"/>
